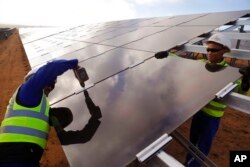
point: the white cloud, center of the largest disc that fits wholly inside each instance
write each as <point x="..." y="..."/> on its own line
<point x="153" y="2"/>
<point x="63" y="12"/>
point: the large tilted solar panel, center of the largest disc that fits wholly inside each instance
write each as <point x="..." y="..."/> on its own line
<point x="140" y="97"/>
<point x="139" y="105"/>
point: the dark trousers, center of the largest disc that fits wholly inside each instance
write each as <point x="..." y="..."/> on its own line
<point x="203" y="130"/>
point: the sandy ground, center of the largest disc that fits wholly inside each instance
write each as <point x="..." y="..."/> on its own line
<point x="234" y="132"/>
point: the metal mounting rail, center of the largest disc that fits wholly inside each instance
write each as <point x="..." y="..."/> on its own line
<point x="237" y="35"/>
<point x="168" y="159"/>
<point x="223" y="92"/>
<point x="243" y="22"/>
<point x="237" y="101"/>
<point x="194" y="151"/>
<point x="163" y="159"/>
<point x="153" y="148"/>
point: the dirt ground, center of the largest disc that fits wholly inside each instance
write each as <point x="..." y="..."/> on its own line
<point x="234" y="132"/>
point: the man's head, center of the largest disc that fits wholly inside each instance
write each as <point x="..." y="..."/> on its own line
<point x="217" y="45"/>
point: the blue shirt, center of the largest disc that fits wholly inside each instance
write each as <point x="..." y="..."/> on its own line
<point x="31" y="91"/>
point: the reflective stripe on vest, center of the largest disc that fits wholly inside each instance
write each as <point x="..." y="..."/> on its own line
<point x="214" y="109"/>
<point x="23" y="124"/>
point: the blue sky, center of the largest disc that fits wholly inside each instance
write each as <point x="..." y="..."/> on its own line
<point x="78" y="12"/>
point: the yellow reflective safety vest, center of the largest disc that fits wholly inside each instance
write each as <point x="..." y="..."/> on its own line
<point x="214" y="108"/>
<point x="26" y="124"/>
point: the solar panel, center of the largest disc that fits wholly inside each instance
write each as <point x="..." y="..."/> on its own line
<point x="139" y="96"/>
<point x="139" y="105"/>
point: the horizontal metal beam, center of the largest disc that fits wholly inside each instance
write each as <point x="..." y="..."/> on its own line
<point x="168" y="159"/>
<point x="237" y="35"/>
<point x="230" y="29"/>
<point x="195" y="40"/>
<point x="194" y="48"/>
<point x="237" y="101"/>
<point x="243" y="22"/>
<point x="239" y="54"/>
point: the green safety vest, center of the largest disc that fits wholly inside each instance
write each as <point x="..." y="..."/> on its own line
<point x="214" y="109"/>
<point x="26" y="124"/>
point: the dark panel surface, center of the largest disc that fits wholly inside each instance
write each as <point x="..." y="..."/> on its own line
<point x="138" y="106"/>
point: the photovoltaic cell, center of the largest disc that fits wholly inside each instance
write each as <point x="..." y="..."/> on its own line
<point x="169" y="38"/>
<point x="86" y="53"/>
<point x="150" y="22"/>
<point x="176" y="20"/>
<point x="109" y="35"/>
<point x="98" y="69"/>
<point x="132" y="36"/>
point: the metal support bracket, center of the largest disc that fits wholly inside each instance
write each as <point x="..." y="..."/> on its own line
<point x="153" y="148"/>
<point x="237" y="101"/>
<point x="225" y="90"/>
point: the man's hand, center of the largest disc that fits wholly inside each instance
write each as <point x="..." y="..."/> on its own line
<point x="214" y="67"/>
<point x="162" y="54"/>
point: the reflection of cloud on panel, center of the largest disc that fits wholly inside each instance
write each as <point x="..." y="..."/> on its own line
<point x="66" y="85"/>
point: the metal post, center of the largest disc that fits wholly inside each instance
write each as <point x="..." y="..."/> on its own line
<point x="241" y="29"/>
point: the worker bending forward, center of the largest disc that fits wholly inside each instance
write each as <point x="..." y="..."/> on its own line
<point x="24" y="130"/>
